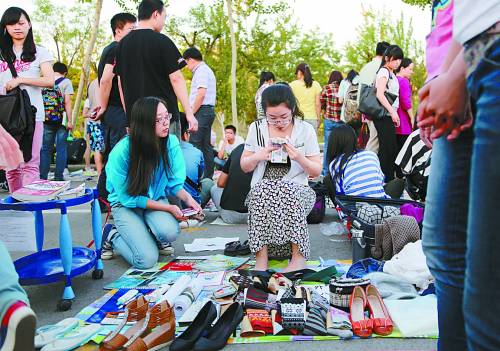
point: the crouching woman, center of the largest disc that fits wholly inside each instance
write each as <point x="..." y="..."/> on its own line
<point x="143" y="169"/>
<point x="280" y="198"/>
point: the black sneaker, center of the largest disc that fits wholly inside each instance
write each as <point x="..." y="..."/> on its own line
<point x="108" y="232"/>
<point x="165" y="249"/>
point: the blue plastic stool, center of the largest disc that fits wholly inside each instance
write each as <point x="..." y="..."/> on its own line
<point x="49" y="266"/>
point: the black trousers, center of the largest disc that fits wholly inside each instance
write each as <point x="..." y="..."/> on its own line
<point x="201" y="138"/>
<point x="388" y="146"/>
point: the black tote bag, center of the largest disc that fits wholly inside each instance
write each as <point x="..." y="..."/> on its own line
<point x="370" y="105"/>
<point x="17" y="116"/>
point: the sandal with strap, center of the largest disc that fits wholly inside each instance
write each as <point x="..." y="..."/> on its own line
<point x="135" y="311"/>
<point x="382" y="322"/>
<point x="361" y="326"/>
<point x="161" y="323"/>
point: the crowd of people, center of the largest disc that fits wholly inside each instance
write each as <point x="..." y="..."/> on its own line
<point x="154" y="161"/>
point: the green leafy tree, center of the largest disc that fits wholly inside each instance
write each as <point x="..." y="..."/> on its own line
<point x="419" y="3"/>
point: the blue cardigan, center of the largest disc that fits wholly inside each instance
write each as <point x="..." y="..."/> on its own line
<point x="161" y="186"/>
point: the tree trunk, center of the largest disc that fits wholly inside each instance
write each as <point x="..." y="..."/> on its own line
<point x="234" y="108"/>
<point x="86" y="60"/>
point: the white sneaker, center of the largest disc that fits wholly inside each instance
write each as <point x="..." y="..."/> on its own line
<point x="108" y="232"/>
<point x="190" y="223"/>
<point x="165" y="249"/>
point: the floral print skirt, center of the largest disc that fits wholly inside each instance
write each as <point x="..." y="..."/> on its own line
<point x="277" y="212"/>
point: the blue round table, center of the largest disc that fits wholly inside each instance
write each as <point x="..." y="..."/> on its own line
<point x="65" y="262"/>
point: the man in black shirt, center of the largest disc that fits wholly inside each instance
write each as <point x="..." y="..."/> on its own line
<point x="111" y="111"/>
<point x="232" y="188"/>
<point x="148" y="64"/>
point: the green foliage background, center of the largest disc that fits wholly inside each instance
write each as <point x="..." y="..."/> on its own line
<point x="268" y="38"/>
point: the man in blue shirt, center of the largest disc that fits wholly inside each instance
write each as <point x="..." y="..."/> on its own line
<point x="197" y="186"/>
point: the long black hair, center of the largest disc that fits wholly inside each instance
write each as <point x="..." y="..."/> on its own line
<point x="11" y="16"/>
<point x="277" y="94"/>
<point x="405" y="62"/>
<point x="147" y="151"/>
<point x="393" y="52"/>
<point x="341" y="143"/>
<point x="306" y="72"/>
<point x="266" y="76"/>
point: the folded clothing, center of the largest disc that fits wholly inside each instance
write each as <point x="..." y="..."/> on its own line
<point x="260" y="320"/>
<point x="337" y="323"/>
<point x="413" y="211"/>
<point x="392" y="287"/>
<point x="293" y="313"/>
<point x="258" y="299"/>
<point x="393" y="234"/>
<point x="315" y="323"/>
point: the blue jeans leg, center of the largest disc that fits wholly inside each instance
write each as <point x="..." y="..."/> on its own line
<point x="49" y="137"/>
<point x="61" y="152"/>
<point x="444" y="234"/>
<point x="134" y="240"/>
<point x="10" y="290"/>
<point x="328" y="127"/>
<point x="481" y="294"/>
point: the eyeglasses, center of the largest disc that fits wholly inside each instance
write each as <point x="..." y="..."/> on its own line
<point x="279" y="121"/>
<point x="163" y="118"/>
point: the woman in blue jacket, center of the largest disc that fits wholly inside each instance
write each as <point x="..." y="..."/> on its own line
<point x="142" y="170"/>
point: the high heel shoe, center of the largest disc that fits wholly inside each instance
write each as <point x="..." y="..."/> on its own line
<point x="158" y="331"/>
<point x="217" y="336"/>
<point x="135" y="311"/>
<point x="361" y="326"/>
<point x="381" y="320"/>
<point x="202" y="322"/>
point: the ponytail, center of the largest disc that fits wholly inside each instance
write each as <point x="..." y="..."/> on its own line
<point x="306" y="72"/>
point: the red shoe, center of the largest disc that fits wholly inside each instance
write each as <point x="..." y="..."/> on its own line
<point x="382" y="322"/>
<point x="361" y="326"/>
<point x="17" y="330"/>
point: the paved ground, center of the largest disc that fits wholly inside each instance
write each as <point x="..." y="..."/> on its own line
<point x="44" y="298"/>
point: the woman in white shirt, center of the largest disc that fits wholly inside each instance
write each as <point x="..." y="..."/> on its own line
<point x="386" y="127"/>
<point x="280" y="198"/>
<point x="33" y="65"/>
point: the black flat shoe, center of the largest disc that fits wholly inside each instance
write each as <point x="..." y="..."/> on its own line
<point x="217" y="337"/>
<point x="200" y="324"/>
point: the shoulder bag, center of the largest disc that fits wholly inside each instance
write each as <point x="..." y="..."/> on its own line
<point x="370" y="105"/>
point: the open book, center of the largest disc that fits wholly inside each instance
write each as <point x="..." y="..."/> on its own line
<point x="41" y="190"/>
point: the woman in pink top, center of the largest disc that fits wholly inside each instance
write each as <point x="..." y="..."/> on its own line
<point x="405" y="110"/>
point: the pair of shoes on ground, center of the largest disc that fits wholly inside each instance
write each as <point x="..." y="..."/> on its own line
<point x="201" y="336"/>
<point x="66" y="335"/>
<point x="153" y="330"/>
<point x="108" y="233"/>
<point x="17" y="329"/>
<point x="379" y="322"/>
<point x="236" y="248"/>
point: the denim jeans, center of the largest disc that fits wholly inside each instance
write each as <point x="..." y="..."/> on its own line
<point x="58" y="135"/>
<point x="138" y="231"/>
<point x="201" y="138"/>
<point x="460" y="236"/>
<point x="328" y="126"/>
<point x="10" y="290"/>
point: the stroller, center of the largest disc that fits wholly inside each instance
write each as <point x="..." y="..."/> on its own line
<point x="361" y="233"/>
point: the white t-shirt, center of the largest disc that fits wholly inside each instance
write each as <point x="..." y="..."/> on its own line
<point x="303" y="138"/>
<point x="230" y="147"/>
<point x="472" y="17"/>
<point x="392" y="86"/>
<point x="28" y="70"/>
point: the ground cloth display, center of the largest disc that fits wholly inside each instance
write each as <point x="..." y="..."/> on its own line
<point x="304" y="309"/>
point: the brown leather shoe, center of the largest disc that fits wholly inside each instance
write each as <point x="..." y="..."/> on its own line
<point x="162" y="323"/>
<point x="135" y="311"/>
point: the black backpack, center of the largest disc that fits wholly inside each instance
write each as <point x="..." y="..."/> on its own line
<point x="76" y="150"/>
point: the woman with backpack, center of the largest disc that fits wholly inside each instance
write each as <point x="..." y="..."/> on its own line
<point x="307" y="91"/>
<point x="143" y="169"/>
<point x="348" y="94"/>
<point x="33" y="66"/>
<point x="280" y="198"/>
<point x="331" y="107"/>
<point x="386" y="81"/>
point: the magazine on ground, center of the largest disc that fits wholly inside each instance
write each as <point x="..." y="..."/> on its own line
<point x="41" y="190"/>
